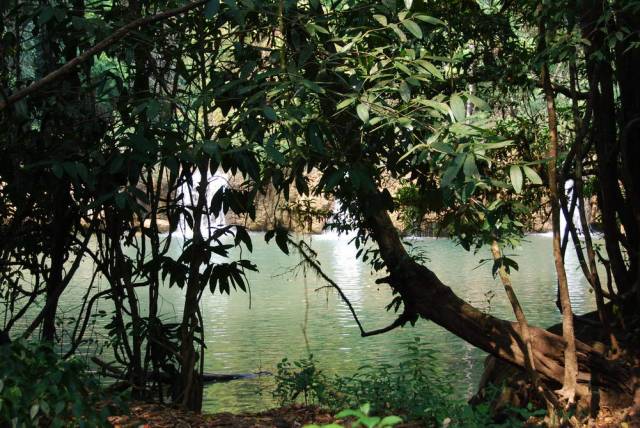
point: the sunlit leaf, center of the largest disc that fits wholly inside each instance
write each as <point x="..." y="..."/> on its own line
<point x="442" y="147"/>
<point x="405" y="91"/>
<point x="413" y="28"/>
<point x="458" y="108"/>
<point x="344" y="103"/>
<point x="477" y="102"/>
<point x="429" y="19"/>
<point x="390" y="421"/>
<point x="515" y="174"/>
<point x="363" y="112"/>
<point x="381" y="19"/>
<point x="532" y="175"/>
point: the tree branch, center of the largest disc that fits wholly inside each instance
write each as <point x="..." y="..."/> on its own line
<point x="311" y="262"/>
<point x="96" y="49"/>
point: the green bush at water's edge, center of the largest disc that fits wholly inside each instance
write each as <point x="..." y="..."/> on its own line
<point x="38" y="388"/>
<point x="414" y="390"/>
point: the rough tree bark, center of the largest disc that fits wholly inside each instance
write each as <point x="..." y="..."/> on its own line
<point x="425" y="295"/>
<point x="525" y="333"/>
<point x="569" y="383"/>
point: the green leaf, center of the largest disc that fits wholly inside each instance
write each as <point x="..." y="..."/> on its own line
<point x="390" y="421"/>
<point x="83" y="172"/>
<point x="348" y="412"/>
<point x="274" y="154"/>
<point x="71" y="168"/>
<point x="344" y="103"/>
<point x="313" y="86"/>
<point x="458" y="108"/>
<point x="532" y="175"/>
<point x="477" y="102"/>
<point x="408" y="3"/>
<point x="442" y="147"/>
<point x="413" y="28"/>
<point x="515" y="173"/>
<point x="363" y="112"/>
<point x="270" y="113"/>
<point x="470" y="168"/>
<point x="34" y="411"/>
<point x="440" y="107"/>
<point x="315" y="28"/>
<point x="282" y="237"/>
<point x="399" y="32"/>
<point x="429" y="19"/>
<point x="44" y="406"/>
<point x="369" y="421"/>
<point x="212" y="7"/>
<point x="405" y="91"/>
<point x="121" y="200"/>
<point x="243" y="236"/>
<point x="46" y="13"/>
<point x="342" y="49"/>
<point x="381" y="19"/>
<point x="400" y="66"/>
<point x="432" y="69"/>
<point x="365" y="408"/>
<point x="451" y="172"/>
<point x="497" y="145"/>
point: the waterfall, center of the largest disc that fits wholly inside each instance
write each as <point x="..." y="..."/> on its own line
<point x="190" y="199"/>
<point x="568" y="191"/>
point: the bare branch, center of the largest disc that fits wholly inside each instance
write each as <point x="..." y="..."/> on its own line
<point x="309" y="259"/>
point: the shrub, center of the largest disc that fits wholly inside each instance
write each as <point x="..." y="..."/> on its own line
<point x="37" y="388"/>
<point x="300" y="380"/>
<point x="415" y="390"/>
<point x="360" y="418"/>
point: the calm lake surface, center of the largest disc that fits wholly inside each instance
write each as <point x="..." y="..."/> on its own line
<point x="246" y="335"/>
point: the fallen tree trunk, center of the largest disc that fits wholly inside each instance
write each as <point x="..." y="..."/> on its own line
<point x="166" y="378"/>
<point x="425" y="295"/>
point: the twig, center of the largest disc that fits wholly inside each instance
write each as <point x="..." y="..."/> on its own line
<point x="311" y="262"/>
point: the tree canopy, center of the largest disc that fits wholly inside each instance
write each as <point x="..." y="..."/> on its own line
<point x="115" y="113"/>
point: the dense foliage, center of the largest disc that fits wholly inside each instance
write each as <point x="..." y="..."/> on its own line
<point x="412" y="390"/>
<point x="37" y="388"/>
<point x="116" y="115"/>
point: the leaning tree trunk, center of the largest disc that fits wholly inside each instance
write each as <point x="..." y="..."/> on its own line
<point x="425" y="295"/>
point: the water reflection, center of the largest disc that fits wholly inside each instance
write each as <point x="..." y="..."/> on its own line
<point x="246" y="339"/>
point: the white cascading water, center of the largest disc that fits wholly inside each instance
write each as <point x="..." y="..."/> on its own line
<point x="190" y="199"/>
<point x="568" y="191"/>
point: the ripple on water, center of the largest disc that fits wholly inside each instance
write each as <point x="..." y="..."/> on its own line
<point x="243" y="340"/>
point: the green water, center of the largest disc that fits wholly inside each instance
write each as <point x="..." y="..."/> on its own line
<point x="249" y="334"/>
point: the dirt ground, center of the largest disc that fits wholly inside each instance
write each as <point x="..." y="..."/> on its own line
<point x="157" y="416"/>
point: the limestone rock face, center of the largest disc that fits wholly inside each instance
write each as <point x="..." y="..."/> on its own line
<point x="310" y="213"/>
<point x="301" y="213"/>
<point x="163" y="225"/>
